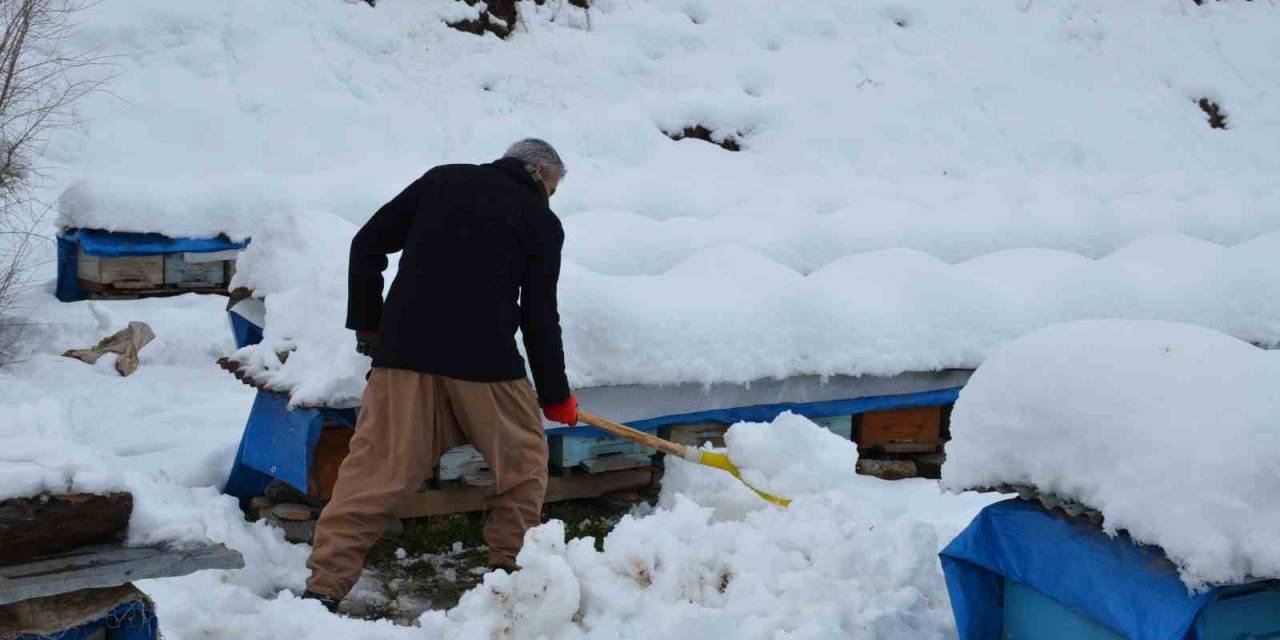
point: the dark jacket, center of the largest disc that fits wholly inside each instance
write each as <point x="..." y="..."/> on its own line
<point x="481" y="259"/>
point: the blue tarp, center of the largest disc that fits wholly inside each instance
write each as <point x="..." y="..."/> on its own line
<point x="1130" y="589"/>
<point x="115" y="244"/>
<point x="279" y="442"/>
<point x="112" y="244"/>
<point x="129" y="621"/>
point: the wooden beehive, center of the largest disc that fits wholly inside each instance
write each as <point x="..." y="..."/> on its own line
<point x="138" y="272"/>
<point x="332" y="447"/>
<point x="189" y="271"/>
<point x="912" y="430"/>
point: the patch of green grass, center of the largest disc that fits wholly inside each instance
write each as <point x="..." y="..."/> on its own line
<point x="433" y="535"/>
<point x="430" y="561"/>
<point x="584" y="519"/>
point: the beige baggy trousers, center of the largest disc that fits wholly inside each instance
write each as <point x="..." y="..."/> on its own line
<point x="407" y="420"/>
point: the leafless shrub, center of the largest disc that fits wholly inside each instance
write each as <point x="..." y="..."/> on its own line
<point x="41" y="75"/>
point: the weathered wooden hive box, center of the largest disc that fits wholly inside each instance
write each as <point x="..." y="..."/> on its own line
<point x="103" y="264"/>
<point x="66" y="572"/>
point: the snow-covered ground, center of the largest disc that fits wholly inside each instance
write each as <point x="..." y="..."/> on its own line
<point x="919" y="184"/>
<point x="851" y="554"/>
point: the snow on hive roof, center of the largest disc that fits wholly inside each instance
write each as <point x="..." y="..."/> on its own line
<point x="38" y="454"/>
<point x="732" y="315"/>
<point x="1171" y="431"/>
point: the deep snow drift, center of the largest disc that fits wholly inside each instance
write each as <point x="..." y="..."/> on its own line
<point x="1171" y="431"/>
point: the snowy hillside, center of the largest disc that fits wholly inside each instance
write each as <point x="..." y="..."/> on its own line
<point x="952" y="131"/>
<point x="955" y="130"/>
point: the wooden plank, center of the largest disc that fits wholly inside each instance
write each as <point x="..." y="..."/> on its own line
<point x="617" y="463"/>
<point x="32" y="527"/>
<point x="909" y="447"/>
<point x="462" y="499"/>
<point x="108" y="566"/>
<point x="108" y="292"/>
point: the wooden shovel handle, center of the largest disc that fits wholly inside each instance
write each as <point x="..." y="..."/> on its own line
<point x="634" y="435"/>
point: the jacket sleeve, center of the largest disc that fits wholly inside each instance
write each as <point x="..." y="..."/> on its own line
<point x="540" y="322"/>
<point x="383" y="234"/>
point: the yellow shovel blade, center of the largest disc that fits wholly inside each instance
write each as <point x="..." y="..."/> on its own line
<point x="722" y="462"/>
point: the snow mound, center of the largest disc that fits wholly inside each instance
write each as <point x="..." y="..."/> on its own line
<point x="846" y="560"/>
<point x="1171" y="431"/>
<point x="299" y="265"/>
<point x="235" y="208"/>
<point x="39" y="453"/>
<point x="891" y="311"/>
<point x="878" y="313"/>
<point x="791" y="456"/>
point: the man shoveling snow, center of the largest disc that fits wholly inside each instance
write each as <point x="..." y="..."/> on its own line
<point x="446" y="370"/>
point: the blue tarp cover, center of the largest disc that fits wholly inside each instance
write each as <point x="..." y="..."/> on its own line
<point x="115" y="244"/>
<point x="279" y="442"/>
<point x="129" y="621"/>
<point x="1132" y="590"/>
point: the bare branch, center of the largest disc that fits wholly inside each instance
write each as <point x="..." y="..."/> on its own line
<point x="40" y="77"/>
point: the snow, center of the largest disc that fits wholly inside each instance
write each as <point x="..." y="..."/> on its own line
<point x="852" y="553"/>
<point x="299" y="265"/>
<point x="768" y="455"/>
<point x="892" y="151"/>
<point x="909" y="197"/>
<point x="37" y="456"/>
<point x="963" y="132"/>
<point x="851" y="557"/>
<point x="878" y="313"/>
<point x="1170" y="430"/>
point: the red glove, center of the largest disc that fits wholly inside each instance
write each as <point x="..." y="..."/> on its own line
<point x="565" y="413"/>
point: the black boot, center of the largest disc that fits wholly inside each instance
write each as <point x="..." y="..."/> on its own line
<point x="329" y="603"/>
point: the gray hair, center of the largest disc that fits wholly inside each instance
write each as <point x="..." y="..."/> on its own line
<point x="537" y="153"/>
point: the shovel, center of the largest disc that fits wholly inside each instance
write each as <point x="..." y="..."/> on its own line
<point x="684" y="452"/>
